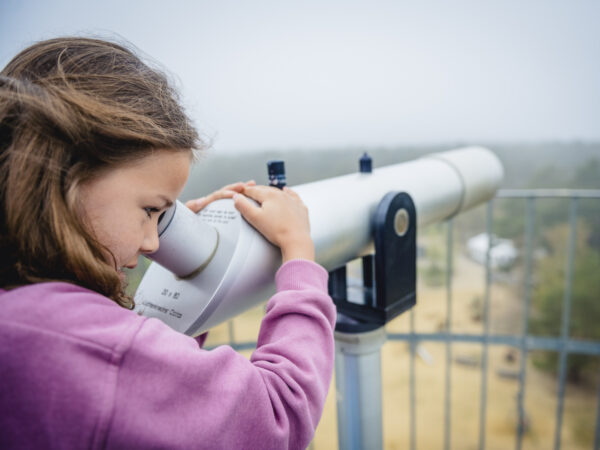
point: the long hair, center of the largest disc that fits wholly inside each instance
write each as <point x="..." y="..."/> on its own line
<point x="71" y="108"/>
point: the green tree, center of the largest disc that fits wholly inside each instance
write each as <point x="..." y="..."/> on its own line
<point x="587" y="175"/>
<point x="549" y="294"/>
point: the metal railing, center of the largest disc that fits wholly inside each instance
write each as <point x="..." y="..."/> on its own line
<point x="563" y="345"/>
<point x="525" y="342"/>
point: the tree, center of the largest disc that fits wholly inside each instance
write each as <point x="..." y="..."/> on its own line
<point x="548" y="298"/>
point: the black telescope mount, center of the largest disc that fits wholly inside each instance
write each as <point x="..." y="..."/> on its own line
<point x="388" y="275"/>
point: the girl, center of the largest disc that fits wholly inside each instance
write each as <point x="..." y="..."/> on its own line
<point x="93" y="148"/>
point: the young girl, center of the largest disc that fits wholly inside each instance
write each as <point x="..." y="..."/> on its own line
<point x="93" y="148"/>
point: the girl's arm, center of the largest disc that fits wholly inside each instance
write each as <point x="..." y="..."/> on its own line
<point x="172" y="394"/>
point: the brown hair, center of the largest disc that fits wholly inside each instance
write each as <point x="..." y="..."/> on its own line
<point x="69" y="109"/>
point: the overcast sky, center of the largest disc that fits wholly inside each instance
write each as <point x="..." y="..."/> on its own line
<point x="311" y="74"/>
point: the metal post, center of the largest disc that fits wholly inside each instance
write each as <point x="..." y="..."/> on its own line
<point x="358" y="385"/>
<point x="566" y="321"/>
<point x="527" y="288"/>
<point x="413" y="384"/>
<point x="230" y="331"/>
<point x="449" y="274"/>
<point x="486" y="326"/>
<point x="597" y="437"/>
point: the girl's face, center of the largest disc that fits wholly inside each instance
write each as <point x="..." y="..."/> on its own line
<point x="123" y="205"/>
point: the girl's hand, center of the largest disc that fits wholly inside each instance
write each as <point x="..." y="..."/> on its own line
<point x="225" y="192"/>
<point x="281" y="217"/>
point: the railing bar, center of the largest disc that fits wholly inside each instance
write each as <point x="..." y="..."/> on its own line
<point x="413" y="419"/>
<point x="566" y="319"/>
<point x="529" y="227"/>
<point x="531" y="343"/>
<point x="597" y="437"/>
<point x="486" y="326"/>
<point x="548" y="193"/>
<point x="449" y="274"/>
<point x="230" y="331"/>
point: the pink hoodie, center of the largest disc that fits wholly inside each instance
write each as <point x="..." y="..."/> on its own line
<point x="78" y="371"/>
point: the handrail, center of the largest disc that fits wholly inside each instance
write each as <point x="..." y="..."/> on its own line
<point x="548" y="193"/>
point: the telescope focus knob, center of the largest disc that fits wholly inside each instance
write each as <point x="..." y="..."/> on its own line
<point x="276" y="170"/>
<point x="366" y="163"/>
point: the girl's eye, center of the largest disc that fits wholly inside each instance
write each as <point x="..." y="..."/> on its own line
<point x="150" y="210"/>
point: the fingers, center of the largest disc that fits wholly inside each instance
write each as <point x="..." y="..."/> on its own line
<point x="248" y="209"/>
<point x="291" y="192"/>
<point x="196" y="205"/>
<point x="248" y="188"/>
<point x="225" y="192"/>
<point x="239" y="186"/>
<point x="200" y="203"/>
<point x="261" y="193"/>
<point x="280" y="216"/>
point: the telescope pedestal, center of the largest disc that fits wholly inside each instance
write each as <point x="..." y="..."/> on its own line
<point x="358" y="389"/>
<point x="389" y="289"/>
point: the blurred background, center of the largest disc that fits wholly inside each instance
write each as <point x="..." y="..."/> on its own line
<point x="319" y="83"/>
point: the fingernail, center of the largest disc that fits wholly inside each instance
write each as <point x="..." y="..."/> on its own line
<point x="236" y="196"/>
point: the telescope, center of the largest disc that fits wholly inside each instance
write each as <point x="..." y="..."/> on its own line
<point x="213" y="266"/>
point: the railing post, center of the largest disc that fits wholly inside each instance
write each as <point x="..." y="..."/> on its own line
<point x="449" y="273"/>
<point x="566" y="320"/>
<point x="528" y="284"/>
<point x="486" y="325"/>
<point x="412" y="384"/>
<point x="597" y="433"/>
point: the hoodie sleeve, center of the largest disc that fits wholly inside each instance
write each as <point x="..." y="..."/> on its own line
<point x="172" y="394"/>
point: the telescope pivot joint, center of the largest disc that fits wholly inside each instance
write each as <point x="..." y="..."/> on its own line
<point x="389" y="274"/>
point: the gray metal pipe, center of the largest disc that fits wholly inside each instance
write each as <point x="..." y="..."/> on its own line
<point x="358" y="389"/>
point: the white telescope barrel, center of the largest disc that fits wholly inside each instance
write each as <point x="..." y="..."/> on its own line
<point x="239" y="273"/>
<point x="440" y="184"/>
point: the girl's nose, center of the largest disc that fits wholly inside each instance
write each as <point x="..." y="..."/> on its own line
<point x="150" y="242"/>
